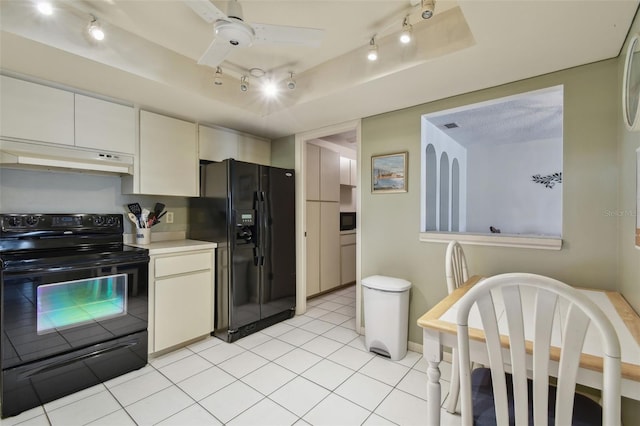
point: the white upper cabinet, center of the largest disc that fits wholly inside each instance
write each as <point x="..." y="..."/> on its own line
<point x="254" y="150"/>
<point x="313" y="172"/>
<point x="217" y="144"/>
<point x="168" y="156"/>
<point x="323" y="174"/>
<point x="348" y="172"/>
<point x="104" y="125"/>
<point x="35" y="112"/>
<point x="329" y="175"/>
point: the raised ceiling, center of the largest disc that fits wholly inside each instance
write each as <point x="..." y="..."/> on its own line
<point x="150" y="55"/>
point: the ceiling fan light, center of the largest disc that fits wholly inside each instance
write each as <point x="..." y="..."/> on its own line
<point x="95" y="30"/>
<point x="217" y="80"/>
<point x="45" y="8"/>
<point x="244" y="83"/>
<point x="372" y="54"/>
<point x="428" y="7"/>
<point x="270" y="89"/>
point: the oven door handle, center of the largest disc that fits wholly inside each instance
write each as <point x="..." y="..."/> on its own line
<point x="63" y="363"/>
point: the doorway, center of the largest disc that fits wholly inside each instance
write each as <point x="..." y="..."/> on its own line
<point x="343" y="139"/>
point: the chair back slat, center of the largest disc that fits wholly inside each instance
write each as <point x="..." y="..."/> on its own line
<point x="551" y="296"/>
<point x="545" y="306"/>
<point x="494" y="350"/>
<point x="574" y="332"/>
<point x="513" y="311"/>
<point x="455" y="266"/>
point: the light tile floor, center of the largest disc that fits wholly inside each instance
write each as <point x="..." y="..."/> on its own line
<point x="311" y="369"/>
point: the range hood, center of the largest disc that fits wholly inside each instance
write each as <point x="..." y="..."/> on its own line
<point x="29" y="155"/>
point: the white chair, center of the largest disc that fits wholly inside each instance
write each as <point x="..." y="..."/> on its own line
<point x="457" y="274"/>
<point x="504" y="399"/>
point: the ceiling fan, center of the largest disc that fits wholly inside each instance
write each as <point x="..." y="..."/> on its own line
<point x="231" y="32"/>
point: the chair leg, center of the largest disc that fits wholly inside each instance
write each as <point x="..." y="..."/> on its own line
<point x="454" y="388"/>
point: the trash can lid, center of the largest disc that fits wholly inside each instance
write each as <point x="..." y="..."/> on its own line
<point x="380" y="282"/>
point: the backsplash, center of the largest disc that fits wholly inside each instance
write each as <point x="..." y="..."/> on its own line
<point x="26" y="191"/>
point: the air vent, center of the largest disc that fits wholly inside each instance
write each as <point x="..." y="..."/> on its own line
<point x="451" y="125"/>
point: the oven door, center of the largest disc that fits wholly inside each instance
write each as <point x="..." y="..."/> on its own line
<point x="66" y="329"/>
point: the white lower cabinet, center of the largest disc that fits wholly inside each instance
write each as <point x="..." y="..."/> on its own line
<point x="181" y="298"/>
<point x="347" y="258"/>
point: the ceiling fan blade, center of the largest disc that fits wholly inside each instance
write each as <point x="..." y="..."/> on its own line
<point x="206" y="10"/>
<point x="217" y="51"/>
<point x="280" y="34"/>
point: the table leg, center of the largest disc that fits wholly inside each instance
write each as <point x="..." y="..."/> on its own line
<point x="432" y="352"/>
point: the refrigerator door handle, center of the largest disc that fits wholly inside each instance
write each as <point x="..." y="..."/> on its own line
<point x="256" y="256"/>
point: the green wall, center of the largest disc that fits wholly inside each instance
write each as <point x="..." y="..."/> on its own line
<point x="629" y="255"/>
<point x="589" y="256"/>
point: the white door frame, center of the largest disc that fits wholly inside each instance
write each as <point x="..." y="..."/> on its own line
<point x="301" y="211"/>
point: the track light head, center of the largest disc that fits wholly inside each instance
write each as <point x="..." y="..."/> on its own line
<point x="217" y="80"/>
<point x="291" y="83"/>
<point x="244" y="83"/>
<point x="428" y="6"/>
<point x="95" y="29"/>
<point x="405" y="35"/>
<point x="372" y="54"/>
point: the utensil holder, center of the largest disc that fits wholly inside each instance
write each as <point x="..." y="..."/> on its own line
<point x="143" y="235"/>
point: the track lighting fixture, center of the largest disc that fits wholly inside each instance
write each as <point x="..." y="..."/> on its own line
<point x="372" y="55"/>
<point x="217" y="80"/>
<point x="428" y="7"/>
<point x="45" y="8"/>
<point x="244" y="83"/>
<point x="291" y="83"/>
<point x="95" y="29"/>
<point x="405" y="35"/>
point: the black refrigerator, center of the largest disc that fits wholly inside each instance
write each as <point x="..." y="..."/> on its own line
<point x="249" y="210"/>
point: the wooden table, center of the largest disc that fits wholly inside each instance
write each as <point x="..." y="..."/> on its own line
<point x="439" y="329"/>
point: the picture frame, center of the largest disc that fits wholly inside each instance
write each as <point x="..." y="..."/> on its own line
<point x="638" y="198"/>
<point x="389" y="173"/>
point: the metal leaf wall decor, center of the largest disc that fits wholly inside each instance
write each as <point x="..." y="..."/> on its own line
<point x="548" y="181"/>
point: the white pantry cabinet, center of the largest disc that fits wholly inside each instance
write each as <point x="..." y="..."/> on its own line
<point x="181" y="297"/>
<point x="323" y="174"/>
<point x="168" y="156"/>
<point x="35" y="112"/>
<point x="323" y="246"/>
<point x="218" y="144"/>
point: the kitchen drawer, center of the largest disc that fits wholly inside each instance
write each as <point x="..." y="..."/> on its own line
<point x="184" y="263"/>
<point x="347" y="239"/>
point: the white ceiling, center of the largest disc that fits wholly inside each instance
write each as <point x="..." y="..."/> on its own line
<point x="150" y="54"/>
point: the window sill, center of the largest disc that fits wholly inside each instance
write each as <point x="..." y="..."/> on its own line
<point x="531" y="242"/>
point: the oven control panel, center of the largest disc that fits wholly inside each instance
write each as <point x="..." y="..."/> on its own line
<point x="30" y="222"/>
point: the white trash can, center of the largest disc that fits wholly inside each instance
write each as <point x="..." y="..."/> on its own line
<point x="386" y="315"/>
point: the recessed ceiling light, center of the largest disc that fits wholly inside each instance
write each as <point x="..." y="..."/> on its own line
<point x="45" y="8"/>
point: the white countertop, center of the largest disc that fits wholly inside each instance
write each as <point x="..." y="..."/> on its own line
<point x="175" y="246"/>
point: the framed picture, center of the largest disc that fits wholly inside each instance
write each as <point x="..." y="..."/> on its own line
<point x="389" y="173"/>
<point x="638" y="198"/>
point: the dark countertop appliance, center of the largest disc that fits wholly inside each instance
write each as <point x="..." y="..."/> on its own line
<point x="74" y="305"/>
<point x="347" y="221"/>
<point x="249" y="210"/>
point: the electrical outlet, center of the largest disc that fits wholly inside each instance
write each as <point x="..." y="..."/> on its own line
<point x="169" y="217"/>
